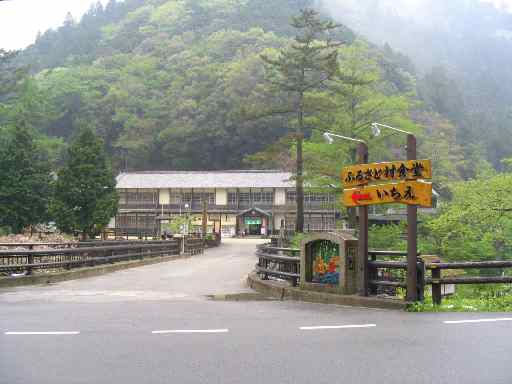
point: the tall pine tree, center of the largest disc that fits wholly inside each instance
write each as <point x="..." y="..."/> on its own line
<point x="25" y="181"/>
<point x="85" y="198"/>
<point x="303" y="67"/>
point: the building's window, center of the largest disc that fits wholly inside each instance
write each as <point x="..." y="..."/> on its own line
<point x="186" y="197"/>
<point x="316" y="197"/>
<point x="175" y="197"/>
<point x="146" y="222"/>
<point x="122" y="197"/>
<point x="290" y="196"/>
<point x="256" y="197"/>
<point x="147" y="197"/>
<point x="131" y="197"/>
<point x="196" y="198"/>
<point x="210" y="197"/>
<point x="199" y="197"/>
<point x="263" y="197"/>
<point x="127" y="221"/>
<point x="245" y="198"/>
<point x="231" y="198"/>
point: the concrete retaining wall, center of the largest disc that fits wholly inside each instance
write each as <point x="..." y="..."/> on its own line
<point x="283" y="291"/>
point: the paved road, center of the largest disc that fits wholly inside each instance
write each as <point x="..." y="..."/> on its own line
<point x="154" y="325"/>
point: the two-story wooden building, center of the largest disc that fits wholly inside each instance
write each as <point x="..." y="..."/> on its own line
<point x="251" y="202"/>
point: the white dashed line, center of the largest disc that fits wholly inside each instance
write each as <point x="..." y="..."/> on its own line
<point x="477" y="321"/>
<point x="43" y="333"/>
<point x="191" y="331"/>
<point x="314" y="328"/>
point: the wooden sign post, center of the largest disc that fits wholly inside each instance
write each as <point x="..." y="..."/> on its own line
<point x="412" y="234"/>
<point x="390" y="183"/>
<point x="362" y="154"/>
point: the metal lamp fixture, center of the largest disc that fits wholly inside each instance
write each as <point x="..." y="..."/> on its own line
<point x="376" y="131"/>
<point x="329" y="138"/>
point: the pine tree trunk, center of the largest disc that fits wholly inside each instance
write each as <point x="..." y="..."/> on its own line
<point x="299" y="182"/>
<point x="299" y="228"/>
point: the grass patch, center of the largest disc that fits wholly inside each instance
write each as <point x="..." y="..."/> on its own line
<point x="479" y="298"/>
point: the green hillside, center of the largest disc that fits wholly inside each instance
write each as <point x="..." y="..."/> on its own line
<point x="166" y="82"/>
<point x="180" y="84"/>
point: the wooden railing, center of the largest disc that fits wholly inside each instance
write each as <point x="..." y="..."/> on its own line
<point x="193" y="245"/>
<point x="75" y="244"/>
<point x="385" y="276"/>
<point x="283" y="263"/>
<point x="26" y="261"/>
<point x="437" y="280"/>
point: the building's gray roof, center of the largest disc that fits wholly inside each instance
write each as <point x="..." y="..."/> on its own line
<point x="205" y="179"/>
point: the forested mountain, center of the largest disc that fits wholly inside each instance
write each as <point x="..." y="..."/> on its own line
<point x="180" y="84"/>
<point x="462" y="49"/>
<point x="166" y="83"/>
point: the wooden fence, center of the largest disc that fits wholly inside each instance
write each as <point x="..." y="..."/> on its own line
<point x="385" y="276"/>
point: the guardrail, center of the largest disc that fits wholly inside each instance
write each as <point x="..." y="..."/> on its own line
<point x="25" y="261"/>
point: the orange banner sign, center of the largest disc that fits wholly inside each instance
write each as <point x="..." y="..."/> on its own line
<point x="407" y="192"/>
<point x="362" y="174"/>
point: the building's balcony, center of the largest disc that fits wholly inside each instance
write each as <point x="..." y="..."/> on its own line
<point x="137" y="205"/>
<point x="317" y="205"/>
<point x="198" y="207"/>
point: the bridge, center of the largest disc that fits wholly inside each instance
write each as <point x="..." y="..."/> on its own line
<point x="159" y="324"/>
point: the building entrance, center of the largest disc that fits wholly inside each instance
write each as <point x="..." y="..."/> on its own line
<point x="253" y="225"/>
<point x="254" y="229"/>
<point x="253" y="222"/>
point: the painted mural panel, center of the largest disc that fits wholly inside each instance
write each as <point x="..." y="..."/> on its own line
<point x="326" y="262"/>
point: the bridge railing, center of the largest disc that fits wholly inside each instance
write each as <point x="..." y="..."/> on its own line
<point x="25" y="261"/>
<point x="392" y="274"/>
<point x="76" y="244"/>
<point x="385" y="276"/>
<point x="193" y="245"/>
<point x="282" y="263"/>
<point x="437" y="280"/>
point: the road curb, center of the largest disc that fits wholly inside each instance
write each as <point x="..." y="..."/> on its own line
<point x="242" y="296"/>
<point x="7" y="282"/>
<point x="281" y="292"/>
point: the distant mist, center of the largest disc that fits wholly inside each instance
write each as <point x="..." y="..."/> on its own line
<point x="431" y="32"/>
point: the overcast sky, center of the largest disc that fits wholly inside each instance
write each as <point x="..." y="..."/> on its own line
<point x="20" y="20"/>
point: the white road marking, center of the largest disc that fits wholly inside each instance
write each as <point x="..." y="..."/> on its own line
<point x="313" y="328"/>
<point x="224" y="330"/>
<point x="43" y="333"/>
<point x="477" y="321"/>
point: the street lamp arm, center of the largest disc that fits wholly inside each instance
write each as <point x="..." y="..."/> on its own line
<point x="392" y="128"/>
<point x="328" y="136"/>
